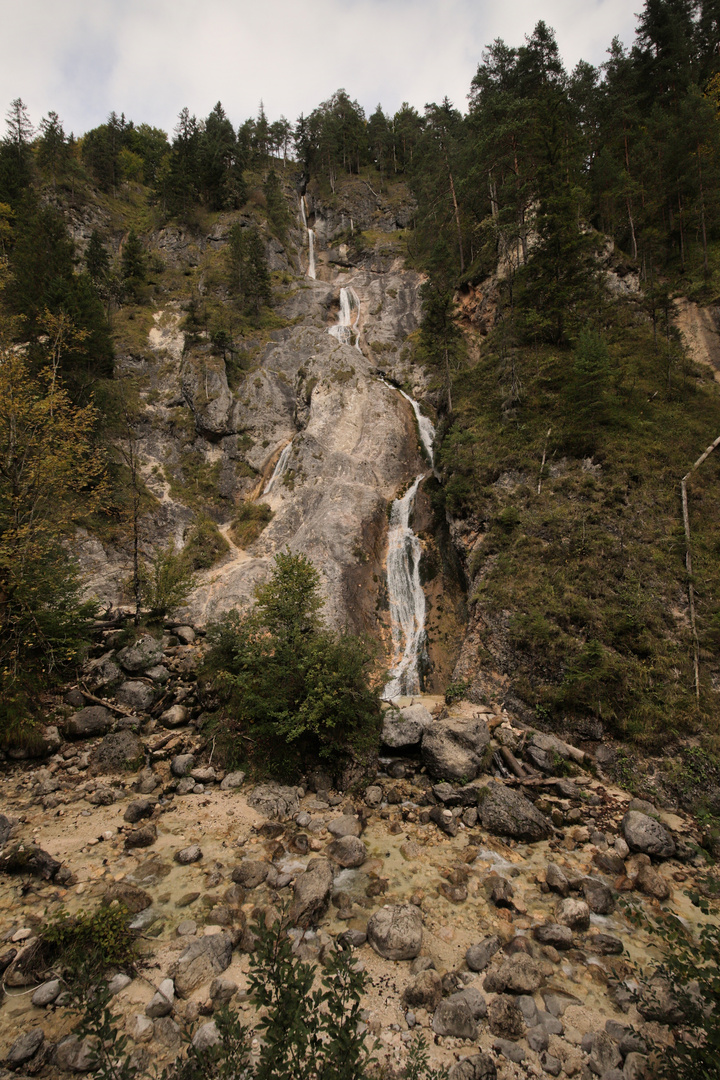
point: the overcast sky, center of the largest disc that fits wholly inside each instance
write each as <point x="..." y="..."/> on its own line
<point x="149" y="58"/>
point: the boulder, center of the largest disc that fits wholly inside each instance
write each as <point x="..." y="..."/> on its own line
<point x="222" y="990"/>
<point x="573" y="913"/>
<point x="395" y="931"/>
<point x="652" y="883"/>
<point x="555" y="934"/>
<point x="142" y="837"/>
<point x="250" y="873"/>
<point x="24" y="858"/>
<point x="72" y="1054"/>
<point x="476" y="1067"/>
<point x="647" y="835"/>
<point x="139" y="809"/>
<point x="118" y="752"/>
<point x="519" y="974"/>
<point x="599" y="897"/>
<point x="175" y="716"/>
<point x="46" y="993"/>
<point x="312" y="894"/>
<point x="505" y="812"/>
<point x="89" y="722"/>
<point x="454" y="1017"/>
<point x="232" y="780"/>
<point x="206" y="1036"/>
<point x="182" y="764"/>
<point x="202" y="961"/>
<point x="145" y="653"/>
<point x="557" y="881"/>
<point x="348" y="852"/>
<point x="425" y="992"/>
<point x="454" y="749"/>
<point x="405" y="727"/>
<point x="346" y="825"/>
<point x="479" y="956"/>
<point x="138" y="695"/>
<point x="275" y="801"/>
<point x="505" y="1018"/>
<point x="25" y="1047"/>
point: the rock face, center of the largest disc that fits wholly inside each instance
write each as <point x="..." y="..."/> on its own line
<point x="504" y="812"/>
<point x="201" y="962"/>
<point x="647" y="835"/>
<point x="453" y="748"/>
<point x="395" y="931"/>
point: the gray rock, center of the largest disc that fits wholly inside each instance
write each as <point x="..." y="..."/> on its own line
<point x="479" y="956"/>
<point x="425" y="992"/>
<point x="142" y="837"/>
<point x="130" y="896"/>
<point x="138" y="695"/>
<point x="555" y="934"/>
<point x="168" y="1034"/>
<point x="188" y="855"/>
<point x="141" y="1028"/>
<point x="46" y="993"/>
<point x="232" y="780"/>
<point x="373" y="796"/>
<point x="647" y="835"/>
<point x="102" y="671"/>
<point x="573" y="913"/>
<point x="312" y="894"/>
<point x="222" y="990"/>
<point x="556" y="880"/>
<point x="454" y="1017"/>
<point x="347" y="825"/>
<point x="598" y="896"/>
<point x="529" y="1009"/>
<point x="205" y="775"/>
<point x="182" y="764"/>
<point x="6" y="828"/>
<point x="348" y="852"/>
<point x="73" y="1055"/>
<point x="161" y="1003"/>
<point x="605" y="1053"/>
<point x="509" y="1050"/>
<point x="405" y="727"/>
<point x="275" y="801"/>
<point x="538" y="1039"/>
<point x="102" y="796"/>
<point x="202" y="961"/>
<point x="118" y="983"/>
<point x="250" y="873"/>
<point x="557" y="1003"/>
<point x="175" y="716"/>
<point x="186" y="928"/>
<point x="477" y="1067"/>
<point x="395" y="931"/>
<point x="186" y="786"/>
<point x="25" y="1047"/>
<point x="158" y="674"/>
<point x="454" y="749"/>
<point x="186" y="634"/>
<point x="504" y="812"/>
<point x="139" y="809"/>
<point x="207" y="1035"/>
<point x="519" y="974"/>
<point x="118" y="752"/>
<point x="145" y="653"/>
<point x="474" y="1001"/>
<point x="89" y="722"/>
<point x="551" y="1065"/>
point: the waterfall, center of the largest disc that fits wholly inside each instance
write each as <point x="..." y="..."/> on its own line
<point x="347" y="325"/>
<point x="279" y="470"/>
<point x="405" y="593"/>
<point x="311" y="240"/>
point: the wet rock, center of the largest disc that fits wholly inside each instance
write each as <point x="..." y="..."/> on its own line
<point x="312" y="894"/>
<point x="405" y="728"/>
<point x="647" y="835"/>
<point x="130" y="896"/>
<point x="519" y="974"/>
<point x="479" y="956"/>
<point x="477" y="1067"/>
<point x="232" y="780"/>
<point x="556" y="880"/>
<point x="505" y="1017"/>
<point x="652" y="883"/>
<point x="250" y="873"/>
<point x="118" y="752"/>
<point x="139" y="809"/>
<point x="89" y="722"/>
<point x="395" y="931"/>
<point x="425" y="992"/>
<point x="25" y="1047"/>
<point x="454" y="1017"/>
<point x="598" y="896"/>
<point x="175" y="716"/>
<point x="144" y="653"/>
<point x="505" y="812"/>
<point x="555" y="934"/>
<point x="454" y="749"/>
<point x="573" y="913"/>
<point x="142" y="837"/>
<point x="46" y="993"/>
<point x="161" y="1003"/>
<point x="182" y="764"/>
<point x="347" y="825"/>
<point x="275" y="801"/>
<point x="22" y="858"/>
<point x="136" y="694"/>
<point x="188" y="855"/>
<point x="202" y="961"/>
<point x="348" y="852"/>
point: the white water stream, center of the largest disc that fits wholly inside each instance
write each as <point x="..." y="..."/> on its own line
<point x="279" y="470"/>
<point x="348" y="325"/>
<point x="311" y="240"/>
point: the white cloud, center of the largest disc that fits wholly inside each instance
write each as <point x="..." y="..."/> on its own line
<point x="149" y="58"/>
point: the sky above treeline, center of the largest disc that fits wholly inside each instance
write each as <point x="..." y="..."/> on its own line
<point x="149" y="58"/>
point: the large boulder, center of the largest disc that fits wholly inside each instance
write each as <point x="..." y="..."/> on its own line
<point x="89" y="722"/>
<point x="645" y="834"/>
<point x="505" y="812"/>
<point x="312" y="894"/>
<point x="138" y="695"/>
<point x="145" y="653"/>
<point x="119" y="751"/>
<point x="405" y="727"/>
<point x="348" y="851"/>
<point x="395" y="931"/>
<point x="24" y="858"/>
<point x="200" y="963"/>
<point x="454" y="748"/>
<point x="477" y="1067"/>
<point x="454" y="1017"/>
<point x="519" y="974"/>
<point x="275" y="800"/>
<point x="425" y="992"/>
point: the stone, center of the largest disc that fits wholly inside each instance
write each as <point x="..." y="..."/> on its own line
<point x="598" y="896"/>
<point x="141" y="1028"/>
<point x="505" y="812"/>
<point x="425" y="992"/>
<point x="373" y="796"/>
<point x="250" y="873"/>
<point x="395" y="931"/>
<point x="573" y="913"/>
<point x="161" y="1003"/>
<point x="120" y="751"/>
<point x="158" y="674"/>
<point x="139" y="809"/>
<point x="202" y="961"/>
<point x="74" y="1055"/>
<point x="477" y="1067"/>
<point x="25" y="858"/>
<point x="652" y="883"/>
<point x="186" y="786"/>
<point x="509" y="1050"/>
<point x="168" y="1033"/>
<point x="538" y="1039"/>
<point x="186" y="927"/>
<point x="232" y="780"/>
<point x="25" y="1047"/>
<point x="610" y="863"/>
<point x="142" y="837"/>
<point x="348" y="852"/>
<point x="604" y="944"/>
<point x="454" y="1017"/>
<point x="205" y="775"/>
<point x="188" y="855"/>
<point x="454" y="749"/>
<point x="118" y="983"/>
<point x="635" y="1067"/>
<point x="647" y="835"/>
<point x="551" y="1065"/>
<point x="529" y="1009"/>
<point x="556" y="880"/>
<point x="604" y="1054"/>
<point x="130" y="896"/>
<point x="519" y="974"/>
<point x="175" y="716"/>
<point x="143" y="654"/>
<point x="347" y="825"/>
<point x="102" y="796"/>
<point x="479" y="956"/>
<point x="555" y="934"/>
<point x="138" y="695"/>
<point x="181" y="765"/>
<point x="207" y="1035"/>
<point x="185" y="634"/>
<point x="405" y="727"/>
<point x="46" y="993"/>
<point x="89" y="722"/>
<point x="275" y="801"/>
<point x="311" y="894"/>
<point x="505" y="1017"/>
<point x="222" y="990"/>
<point x="557" y="1003"/>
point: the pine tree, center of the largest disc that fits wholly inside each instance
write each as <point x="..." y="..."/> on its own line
<point x="249" y="274"/>
<point x="96" y="259"/>
<point x="132" y="267"/>
<point x="53" y="151"/>
<point x="276" y="205"/>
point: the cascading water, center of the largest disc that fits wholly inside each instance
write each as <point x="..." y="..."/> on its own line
<point x="279" y="470"/>
<point x="347" y="326"/>
<point x="311" y="240"/>
<point x="405" y="593"/>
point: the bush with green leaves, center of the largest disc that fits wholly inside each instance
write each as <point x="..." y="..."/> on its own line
<point x="292" y="692"/>
<point x="166" y="581"/>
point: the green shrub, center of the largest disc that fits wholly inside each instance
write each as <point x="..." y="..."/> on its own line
<point x="165" y="582"/>
<point x="90" y="942"/>
<point x="455" y="691"/>
<point x="251" y="519"/>
<point x="205" y="545"/>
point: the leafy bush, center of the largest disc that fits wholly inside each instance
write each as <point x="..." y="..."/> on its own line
<point x="455" y="691"/>
<point x="89" y="943"/>
<point x="205" y="545"/>
<point x="251" y="519"/>
<point x="291" y="690"/>
<point x="165" y="582"/>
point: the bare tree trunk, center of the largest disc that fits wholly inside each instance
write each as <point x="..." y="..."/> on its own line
<point x="688" y="562"/>
<point x="542" y="463"/>
<point x="706" y="267"/>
